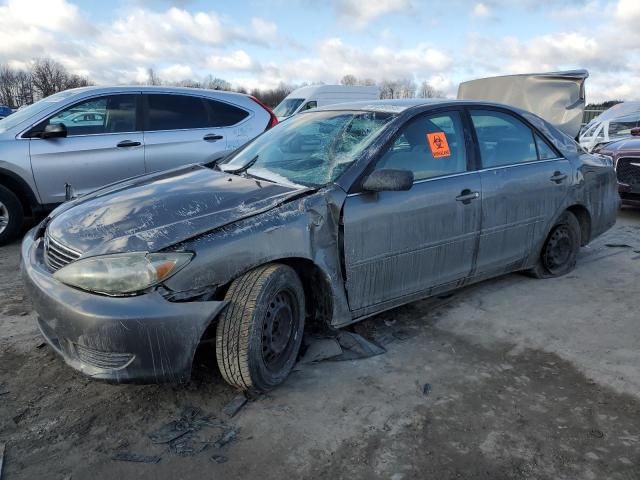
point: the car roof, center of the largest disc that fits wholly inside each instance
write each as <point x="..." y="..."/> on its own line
<point x="402" y="104"/>
<point x="153" y="88"/>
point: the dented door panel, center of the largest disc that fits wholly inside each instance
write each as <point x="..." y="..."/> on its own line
<point x="400" y="243"/>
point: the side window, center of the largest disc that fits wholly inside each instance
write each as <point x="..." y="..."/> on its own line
<point x="111" y="114"/>
<point x="502" y="138"/>
<point x="429" y="146"/>
<point x="175" y="112"/>
<point x="309" y="105"/>
<point x="545" y="152"/>
<point x="224" y="115"/>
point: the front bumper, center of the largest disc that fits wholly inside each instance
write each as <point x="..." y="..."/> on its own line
<point x="142" y="339"/>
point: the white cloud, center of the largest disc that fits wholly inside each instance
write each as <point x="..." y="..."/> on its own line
<point x="481" y="10"/>
<point x="181" y="42"/>
<point x="238" y="60"/>
<point x="359" y="13"/>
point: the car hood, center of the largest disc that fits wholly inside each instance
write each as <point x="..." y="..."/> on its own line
<point x="152" y="212"/>
<point x="629" y="145"/>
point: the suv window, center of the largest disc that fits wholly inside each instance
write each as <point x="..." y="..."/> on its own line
<point x="110" y="114"/>
<point x="503" y="139"/>
<point x="429" y="146"/>
<point x="224" y="115"/>
<point x="175" y="112"/>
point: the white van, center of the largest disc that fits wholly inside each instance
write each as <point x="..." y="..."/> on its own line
<point x="314" y="96"/>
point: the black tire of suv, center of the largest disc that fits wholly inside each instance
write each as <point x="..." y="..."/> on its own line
<point x="16" y="215"/>
<point x="249" y="333"/>
<point x="565" y="237"/>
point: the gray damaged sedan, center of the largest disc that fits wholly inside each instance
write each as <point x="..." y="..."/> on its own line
<point x="335" y="215"/>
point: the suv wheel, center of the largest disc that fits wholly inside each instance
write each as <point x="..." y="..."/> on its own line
<point x="259" y="334"/>
<point x="560" y="249"/>
<point x="11" y="216"/>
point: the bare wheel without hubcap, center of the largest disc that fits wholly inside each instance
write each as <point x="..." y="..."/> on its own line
<point x="279" y="330"/>
<point x="558" y="249"/>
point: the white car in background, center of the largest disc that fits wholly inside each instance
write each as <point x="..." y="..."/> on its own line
<point x="611" y="125"/>
<point x="313" y="96"/>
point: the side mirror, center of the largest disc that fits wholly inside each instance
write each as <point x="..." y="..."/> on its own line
<point x="54" y="130"/>
<point x="635" y="131"/>
<point x="388" y="180"/>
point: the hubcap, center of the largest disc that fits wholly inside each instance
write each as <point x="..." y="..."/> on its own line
<point x="4" y="217"/>
<point x="279" y="329"/>
<point x="558" y="249"/>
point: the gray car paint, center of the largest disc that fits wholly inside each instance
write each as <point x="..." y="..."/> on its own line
<point x="327" y="234"/>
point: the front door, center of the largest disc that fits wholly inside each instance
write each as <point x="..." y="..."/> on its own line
<point x="102" y="146"/>
<point x="524" y="184"/>
<point x="398" y="244"/>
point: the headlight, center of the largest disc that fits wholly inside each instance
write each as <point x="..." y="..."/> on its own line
<point x="122" y="274"/>
<point x="607" y="158"/>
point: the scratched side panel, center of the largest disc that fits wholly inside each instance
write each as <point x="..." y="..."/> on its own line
<point x="304" y="228"/>
<point x="399" y="243"/>
<point x="517" y="204"/>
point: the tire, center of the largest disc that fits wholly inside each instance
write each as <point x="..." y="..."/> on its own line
<point x="259" y="334"/>
<point x="11" y="216"/>
<point x="560" y="250"/>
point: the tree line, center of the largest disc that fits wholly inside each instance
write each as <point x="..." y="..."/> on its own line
<point x="45" y="77"/>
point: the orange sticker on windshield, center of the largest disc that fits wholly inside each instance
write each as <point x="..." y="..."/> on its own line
<point x="438" y="144"/>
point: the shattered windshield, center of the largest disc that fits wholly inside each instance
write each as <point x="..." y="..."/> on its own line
<point x="311" y="149"/>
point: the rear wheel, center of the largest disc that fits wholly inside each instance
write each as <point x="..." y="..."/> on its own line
<point x="11" y="216"/>
<point x="560" y="250"/>
<point x="259" y="333"/>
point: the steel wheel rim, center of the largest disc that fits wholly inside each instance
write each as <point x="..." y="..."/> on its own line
<point x="279" y="330"/>
<point x="558" y="249"/>
<point x="4" y="217"/>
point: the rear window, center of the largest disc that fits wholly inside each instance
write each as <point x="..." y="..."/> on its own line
<point x="224" y="115"/>
<point x="175" y="112"/>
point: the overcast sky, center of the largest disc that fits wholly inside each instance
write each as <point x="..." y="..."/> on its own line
<point x="260" y="43"/>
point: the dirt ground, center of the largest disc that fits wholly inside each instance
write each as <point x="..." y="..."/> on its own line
<point x="527" y="379"/>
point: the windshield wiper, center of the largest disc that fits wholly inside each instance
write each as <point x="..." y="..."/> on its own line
<point x="244" y="168"/>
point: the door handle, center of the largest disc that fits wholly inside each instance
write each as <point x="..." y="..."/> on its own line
<point x="558" y="177"/>
<point x="128" y="143"/>
<point x="467" y="195"/>
<point x="212" y="137"/>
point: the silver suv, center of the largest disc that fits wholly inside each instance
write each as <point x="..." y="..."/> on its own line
<point x="81" y="139"/>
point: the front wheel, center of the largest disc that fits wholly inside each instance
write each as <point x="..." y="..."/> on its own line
<point x="259" y="334"/>
<point x="560" y="250"/>
<point x="11" y="216"/>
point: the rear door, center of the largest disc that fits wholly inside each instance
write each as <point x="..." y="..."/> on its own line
<point x="524" y="184"/>
<point x="104" y="144"/>
<point x="398" y="244"/>
<point x="182" y="129"/>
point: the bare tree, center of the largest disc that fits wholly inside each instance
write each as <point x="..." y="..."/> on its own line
<point x="406" y="88"/>
<point x="152" y="77"/>
<point x="428" y="91"/>
<point x="48" y="76"/>
<point x="349" y="80"/>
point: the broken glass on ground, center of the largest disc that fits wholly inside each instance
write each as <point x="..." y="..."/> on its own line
<point x="188" y="435"/>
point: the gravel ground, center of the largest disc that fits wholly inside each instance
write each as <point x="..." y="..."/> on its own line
<point x="528" y="379"/>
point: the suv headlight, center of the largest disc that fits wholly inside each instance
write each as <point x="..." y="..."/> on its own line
<point x="122" y="274"/>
